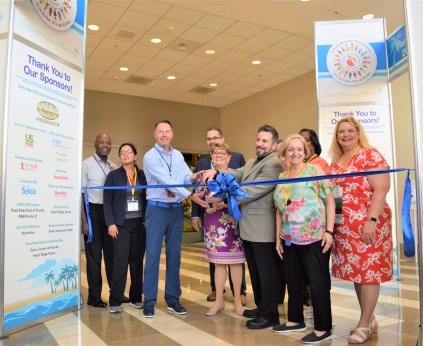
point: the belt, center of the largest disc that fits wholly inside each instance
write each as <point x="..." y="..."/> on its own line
<point x="165" y="205"/>
<point x="96" y="204"/>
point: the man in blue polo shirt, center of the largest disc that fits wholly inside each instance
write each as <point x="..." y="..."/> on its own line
<point x="164" y="165"/>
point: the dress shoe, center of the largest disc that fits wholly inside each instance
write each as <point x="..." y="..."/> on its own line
<point x="125" y="299"/>
<point x="243" y="299"/>
<point x="97" y="303"/>
<point x="250" y="313"/>
<point x="211" y="297"/>
<point x="260" y="322"/>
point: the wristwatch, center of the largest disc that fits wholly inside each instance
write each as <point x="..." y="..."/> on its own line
<point x="370" y="218"/>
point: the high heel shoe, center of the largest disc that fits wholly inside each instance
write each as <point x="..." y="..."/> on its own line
<point x="240" y="311"/>
<point x="359" y="336"/>
<point x="213" y="312"/>
<point x="374" y="327"/>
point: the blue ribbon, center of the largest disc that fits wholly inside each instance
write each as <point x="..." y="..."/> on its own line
<point x="233" y="204"/>
<point x="407" y="230"/>
<point x="87" y="213"/>
<point x="227" y="187"/>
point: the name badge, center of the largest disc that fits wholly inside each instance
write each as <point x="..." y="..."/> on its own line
<point x="337" y="194"/>
<point x="132" y="205"/>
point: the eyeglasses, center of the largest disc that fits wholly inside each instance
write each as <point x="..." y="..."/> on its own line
<point x="209" y="139"/>
<point x="221" y="153"/>
<point x="123" y="152"/>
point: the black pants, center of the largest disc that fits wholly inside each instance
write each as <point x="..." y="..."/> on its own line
<point x="129" y="248"/>
<point x="243" y="284"/>
<point x="309" y="260"/>
<point x="101" y="241"/>
<point x="264" y="266"/>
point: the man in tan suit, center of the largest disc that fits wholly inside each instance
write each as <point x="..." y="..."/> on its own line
<point x="258" y="228"/>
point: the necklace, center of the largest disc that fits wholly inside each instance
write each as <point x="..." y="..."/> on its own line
<point x="287" y="187"/>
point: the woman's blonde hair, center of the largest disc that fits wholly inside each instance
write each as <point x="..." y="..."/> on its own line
<point x="284" y="146"/>
<point x="222" y="146"/>
<point x="336" y="150"/>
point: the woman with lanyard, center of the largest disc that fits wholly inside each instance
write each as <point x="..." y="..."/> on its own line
<point x="315" y="149"/>
<point x="124" y="210"/>
<point x="304" y="233"/>
<point x="363" y="250"/>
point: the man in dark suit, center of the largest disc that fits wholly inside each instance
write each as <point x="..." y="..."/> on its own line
<point x="215" y="135"/>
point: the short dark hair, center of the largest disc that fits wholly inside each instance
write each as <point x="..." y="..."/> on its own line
<point x="215" y="129"/>
<point x="314" y="140"/>
<point x="129" y="145"/>
<point x="163" y="122"/>
<point x="271" y="129"/>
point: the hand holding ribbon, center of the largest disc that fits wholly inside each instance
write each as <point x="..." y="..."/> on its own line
<point x="227" y="187"/>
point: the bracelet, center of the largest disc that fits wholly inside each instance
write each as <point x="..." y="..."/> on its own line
<point x="330" y="232"/>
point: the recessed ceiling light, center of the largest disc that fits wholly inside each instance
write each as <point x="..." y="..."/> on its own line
<point x="303" y="0"/>
<point x="123" y="68"/>
<point x="213" y="84"/>
<point x="256" y="62"/>
<point x="368" y="16"/>
<point x="155" y="40"/>
<point x="210" y="51"/>
<point x="93" y="27"/>
<point x="171" y="77"/>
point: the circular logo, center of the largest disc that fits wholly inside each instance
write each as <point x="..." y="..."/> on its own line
<point x="58" y="14"/>
<point x="351" y="62"/>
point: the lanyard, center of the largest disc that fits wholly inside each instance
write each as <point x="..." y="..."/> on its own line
<point x="110" y="167"/>
<point x="311" y="158"/>
<point x="287" y="187"/>
<point x="132" y="183"/>
<point x="168" y="166"/>
<point x="343" y="168"/>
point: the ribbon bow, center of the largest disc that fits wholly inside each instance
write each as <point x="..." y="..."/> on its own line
<point x="227" y="187"/>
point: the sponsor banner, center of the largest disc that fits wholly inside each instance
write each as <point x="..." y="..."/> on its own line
<point x="42" y="203"/>
<point x="351" y="61"/>
<point x="4" y="16"/>
<point x="352" y="80"/>
<point x="55" y="25"/>
<point x="397" y="53"/>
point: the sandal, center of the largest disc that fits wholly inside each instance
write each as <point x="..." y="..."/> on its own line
<point x="358" y="336"/>
<point x="374" y="326"/>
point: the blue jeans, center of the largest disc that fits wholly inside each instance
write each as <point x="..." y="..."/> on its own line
<point x="162" y="223"/>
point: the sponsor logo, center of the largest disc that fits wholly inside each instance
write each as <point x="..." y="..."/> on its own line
<point x="27" y="190"/>
<point x="60" y="177"/>
<point x="29" y="140"/>
<point x="61" y="157"/>
<point x="57" y="14"/>
<point x="28" y="166"/>
<point x="47" y="110"/>
<point x="60" y="194"/>
<point x="351" y="62"/>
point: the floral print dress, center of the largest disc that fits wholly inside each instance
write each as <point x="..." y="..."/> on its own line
<point x="221" y="245"/>
<point x="305" y="214"/>
<point x="352" y="259"/>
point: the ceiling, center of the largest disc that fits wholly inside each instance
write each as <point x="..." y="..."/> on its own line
<point x="279" y="33"/>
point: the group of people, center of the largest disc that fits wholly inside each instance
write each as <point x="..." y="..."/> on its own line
<point x="286" y="233"/>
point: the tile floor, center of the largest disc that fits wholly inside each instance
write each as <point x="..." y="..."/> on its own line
<point x="397" y="314"/>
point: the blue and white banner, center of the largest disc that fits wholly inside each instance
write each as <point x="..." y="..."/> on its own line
<point x="352" y="80"/>
<point x="397" y="53"/>
<point x="43" y="149"/>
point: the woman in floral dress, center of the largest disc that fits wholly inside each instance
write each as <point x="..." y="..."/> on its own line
<point x="221" y="245"/>
<point x="305" y="217"/>
<point x="363" y="230"/>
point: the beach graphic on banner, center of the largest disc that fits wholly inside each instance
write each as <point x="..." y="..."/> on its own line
<point x="43" y="162"/>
